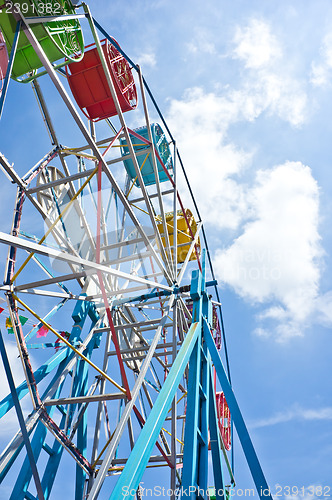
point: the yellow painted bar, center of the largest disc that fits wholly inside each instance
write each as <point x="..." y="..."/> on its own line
<point x="102" y="451"/>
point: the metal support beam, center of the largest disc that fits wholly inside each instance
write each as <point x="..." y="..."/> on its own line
<point x="66" y="361"/>
<point x="72" y="259"/>
<point x="154" y="195"/>
<point x="84" y="399"/>
<point x="59" y="182"/>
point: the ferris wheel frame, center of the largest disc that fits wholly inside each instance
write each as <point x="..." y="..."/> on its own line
<point x="192" y="348"/>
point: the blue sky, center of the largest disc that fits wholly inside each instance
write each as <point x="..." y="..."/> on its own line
<point x="246" y="90"/>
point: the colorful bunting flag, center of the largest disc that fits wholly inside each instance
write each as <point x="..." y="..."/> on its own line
<point x="42" y="332"/>
<point x="23" y="320"/>
<point x="66" y="335"/>
<point x="1" y="309"/>
<point x="9" y="325"/>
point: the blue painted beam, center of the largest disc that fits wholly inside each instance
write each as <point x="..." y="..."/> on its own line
<point x="38" y="444"/>
<point x="88" y="309"/>
<point x="82" y="431"/>
<point x="195" y="454"/>
<point x="192" y="428"/>
<point x="10" y="462"/>
<point x="7" y="403"/>
<point x="60" y="368"/>
<point x="61" y="359"/>
<point x="24" y="477"/>
<point x="79" y="315"/>
<point x="80" y="388"/>
<point x="38" y="441"/>
<point x="20" y="417"/>
<point x="241" y="428"/>
<point x="132" y="473"/>
<point x="162" y="293"/>
<point x="53" y="463"/>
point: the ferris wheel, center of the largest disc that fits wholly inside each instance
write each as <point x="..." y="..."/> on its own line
<point x="109" y="287"/>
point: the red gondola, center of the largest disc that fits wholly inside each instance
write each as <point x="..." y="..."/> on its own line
<point x="89" y="85"/>
<point x="224" y="419"/>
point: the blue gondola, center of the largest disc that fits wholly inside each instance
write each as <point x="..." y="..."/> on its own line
<point x="162" y="147"/>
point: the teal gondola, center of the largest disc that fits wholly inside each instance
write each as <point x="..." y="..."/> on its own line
<point x="164" y="162"/>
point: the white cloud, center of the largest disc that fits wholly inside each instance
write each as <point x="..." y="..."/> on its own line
<point x="274" y="94"/>
<point x="201" y="43"/>
<point x="269" y="84"/>
<point x="323" y="308"/>
<point x="256" y="45"/>
<point x="200" y="122"/>
<point x="276" y="258"/>
<point x="295" y="413"/>
<point x="146" y="59"/>
<point x="321" y="70"/>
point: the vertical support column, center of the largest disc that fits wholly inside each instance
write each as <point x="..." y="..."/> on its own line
<point x="99" y="414"/>
<point x="206" y="395"/>
<point x="175" y="327"/>
<point x="195" y="462"/>
<point x="80" y="387"/>
<point x="202" y="469"/>
<point x="52" y="463"/>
